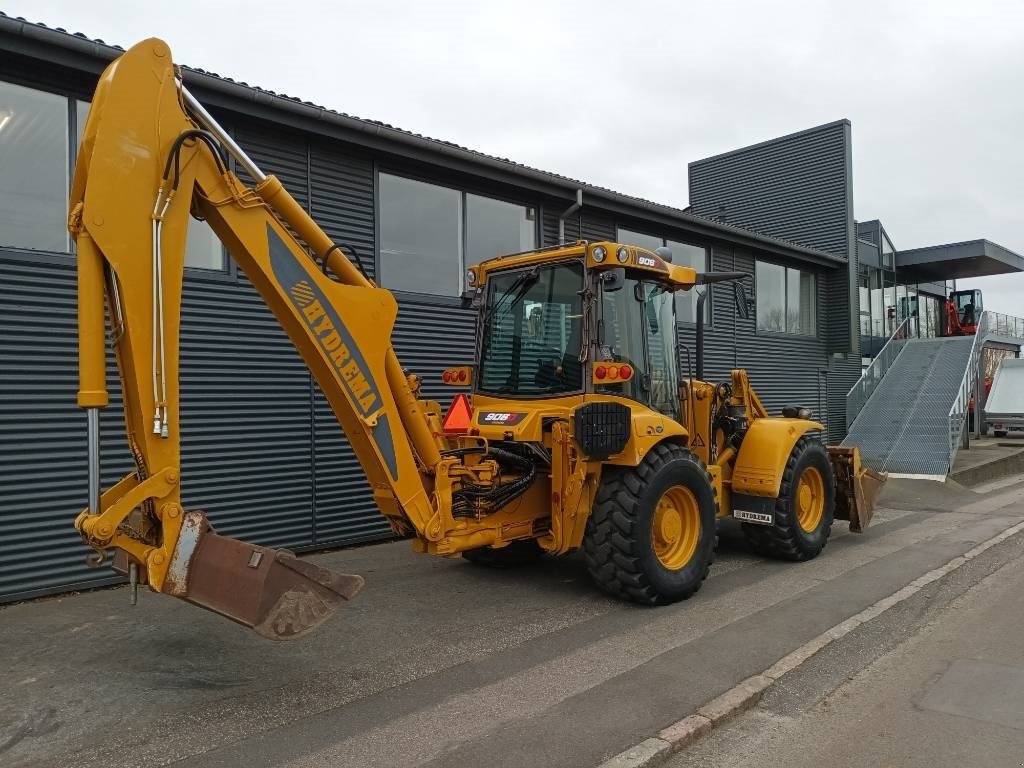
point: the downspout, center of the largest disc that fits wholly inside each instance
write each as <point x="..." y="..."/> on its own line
<point x="567" y="213"/>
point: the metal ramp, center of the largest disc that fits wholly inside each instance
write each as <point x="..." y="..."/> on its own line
<point x="908" y="412"/>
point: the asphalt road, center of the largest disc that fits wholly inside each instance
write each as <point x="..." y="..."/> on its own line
<point x="440" y="663"/>
<point x="946" y="688"/>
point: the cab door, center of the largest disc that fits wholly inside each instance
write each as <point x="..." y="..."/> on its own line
<point x="637" y="326"/>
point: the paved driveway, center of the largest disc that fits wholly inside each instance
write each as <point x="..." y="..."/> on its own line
<point x="441" y="663"/>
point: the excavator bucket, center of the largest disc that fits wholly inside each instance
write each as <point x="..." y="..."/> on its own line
<point x="271" y="591"/>
<point x="857" y="487"/>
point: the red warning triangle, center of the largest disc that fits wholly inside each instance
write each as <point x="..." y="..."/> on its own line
<point x="459" y="416"/>
<point x="696" y="442"/>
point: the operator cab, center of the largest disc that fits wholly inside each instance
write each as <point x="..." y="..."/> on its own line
<point x="968" y="306"/>
<point x="965" y="308"/>
<point x="583" y="319"/>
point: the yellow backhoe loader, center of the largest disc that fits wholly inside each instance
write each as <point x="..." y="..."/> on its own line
<point x="581" y="434"/>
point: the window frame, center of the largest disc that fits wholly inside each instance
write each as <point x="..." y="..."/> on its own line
<point x="71" y="148"/>
<point x="585" y="384"/>
<point x="813" y="334"/>
<point x="380" y="169"/>
<point x="228" y="271"/>
<point x="709" y="320"/>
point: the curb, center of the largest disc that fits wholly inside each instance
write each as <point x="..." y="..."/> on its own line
<point x="746" y="694"/>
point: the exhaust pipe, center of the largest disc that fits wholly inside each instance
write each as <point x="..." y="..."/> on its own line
<point x="271" y="591"/>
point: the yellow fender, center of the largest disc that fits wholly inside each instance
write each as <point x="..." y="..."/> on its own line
<point x="764" y="452"/>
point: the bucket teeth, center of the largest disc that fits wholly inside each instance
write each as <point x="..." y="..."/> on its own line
<point x="270" y="591"/>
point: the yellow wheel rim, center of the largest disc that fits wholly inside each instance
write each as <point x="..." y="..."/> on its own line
<point x="810" y="500"/>
<point x="676" y="527"/>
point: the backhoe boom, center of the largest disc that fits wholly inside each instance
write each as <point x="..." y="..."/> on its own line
<point x="151" y="155"/>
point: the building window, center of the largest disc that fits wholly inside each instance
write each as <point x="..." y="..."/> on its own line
<point x="422" y="239"/>
<point x="786" y="299"/>
<point x="203" y="249"/>
<point x="33" y="169"/>
<point x="420" y="236"/>
<point x="495" y="228"/>
<point x="887" y="252"/>
<point x="683" y="254"/>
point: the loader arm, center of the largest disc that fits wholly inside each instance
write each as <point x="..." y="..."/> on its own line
<point x="150" y="156"/>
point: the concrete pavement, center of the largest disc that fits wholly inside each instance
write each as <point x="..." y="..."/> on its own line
<point x="440" y="663"/>
<point x="949" y="692"/>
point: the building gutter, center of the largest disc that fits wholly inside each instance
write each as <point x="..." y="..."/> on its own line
<point x="567" y="213"/>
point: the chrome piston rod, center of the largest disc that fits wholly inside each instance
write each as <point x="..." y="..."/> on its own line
<point x="93" y="415"/>
<point x="207" y="123"/>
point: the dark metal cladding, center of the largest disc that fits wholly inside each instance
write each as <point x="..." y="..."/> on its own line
<point x="798" y="188"/>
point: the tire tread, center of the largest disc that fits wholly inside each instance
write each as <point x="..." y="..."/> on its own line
<point x="610" y="548"/>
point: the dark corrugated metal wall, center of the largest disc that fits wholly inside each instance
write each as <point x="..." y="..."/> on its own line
<point x="793" y="188"/>
<point x="42" y="433"/>
<point x="799" y="188"/>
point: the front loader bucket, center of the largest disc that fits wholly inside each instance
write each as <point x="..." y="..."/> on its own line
<point x="268" y="590"/>
<point x="857" y="487"/>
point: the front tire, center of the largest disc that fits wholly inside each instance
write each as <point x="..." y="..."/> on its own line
<point x="804" y="510"/>
<point x="651" y="535"/>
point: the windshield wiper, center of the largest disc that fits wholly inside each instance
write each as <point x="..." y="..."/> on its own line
<point x="517" y="290"/>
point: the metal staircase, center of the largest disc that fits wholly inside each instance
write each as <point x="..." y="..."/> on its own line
<point x="907" y="413"/>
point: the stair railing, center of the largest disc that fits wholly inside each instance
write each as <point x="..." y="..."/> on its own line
<point x="859" y="394"/>
<point x="961" y="405"/>
<point x="1005" y="325"/>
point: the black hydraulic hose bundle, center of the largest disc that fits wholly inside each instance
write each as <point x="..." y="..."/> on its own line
<point x="472" y="500"/>
<point x="175" y="154"/>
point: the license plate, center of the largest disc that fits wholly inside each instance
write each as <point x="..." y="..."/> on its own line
<point x="764" y="518"/>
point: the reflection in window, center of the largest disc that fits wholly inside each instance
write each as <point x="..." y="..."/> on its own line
<point x="495" y="228"/>
<point x="623" y="328"/>
<point x="771" y="296"/>
<point x="662" y="351"/>
<point x="532" y="331"/>
<point x="786" y="299"/>
<point x="650" y="242"/>
<point x="203" y="249"/>
<point x="683" y="254"/>
<point x="33" y="169"/>
<point x="694" y="256"/>
<point x="81" y="115"/>
<point x="420" y="236"/>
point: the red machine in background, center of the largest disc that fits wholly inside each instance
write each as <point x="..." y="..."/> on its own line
<point x="963" y="311"/>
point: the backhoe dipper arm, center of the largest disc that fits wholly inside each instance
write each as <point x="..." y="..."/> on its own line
<point x="150" y="154"/>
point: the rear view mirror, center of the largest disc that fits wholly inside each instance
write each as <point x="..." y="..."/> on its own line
<point x="613" y="279"/>
<point x="744" y="302"/>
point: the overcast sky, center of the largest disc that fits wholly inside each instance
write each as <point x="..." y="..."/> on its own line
<point x="624" y="94"/>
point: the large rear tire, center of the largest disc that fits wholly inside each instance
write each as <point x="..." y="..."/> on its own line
<point x="516" y="554"/>
<point x="651" y="535"/>
<point x="804" y="510"/>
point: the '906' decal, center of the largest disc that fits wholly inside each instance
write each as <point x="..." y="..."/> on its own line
<point x="504" y="418"/>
